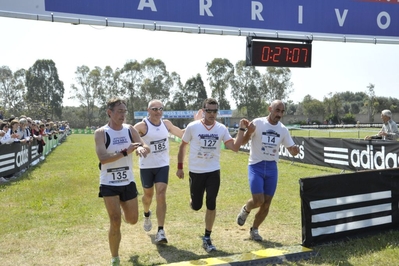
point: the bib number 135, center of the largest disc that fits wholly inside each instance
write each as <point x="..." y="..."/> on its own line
<point x="119" y="175"/>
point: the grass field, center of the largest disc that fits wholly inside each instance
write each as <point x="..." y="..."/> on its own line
<point x="52" y="215"/>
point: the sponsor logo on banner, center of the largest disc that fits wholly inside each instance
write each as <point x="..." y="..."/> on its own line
<point x="7" y="162"/>
<point x="370" y="159"/>
<point x="22" y="157"/>
<point x="336" y="155"/>
<point x="366" y="159"/>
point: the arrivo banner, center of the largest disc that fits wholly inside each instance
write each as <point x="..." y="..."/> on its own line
<point x="373" y="18"/>
<point x="338" y="16"/>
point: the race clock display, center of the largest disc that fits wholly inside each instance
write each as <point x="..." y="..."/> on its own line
<point x="278" y="53"/>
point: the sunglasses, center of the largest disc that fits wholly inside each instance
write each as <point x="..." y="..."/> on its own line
<point x="121" y="111"/>
<point x="215" y="111"/>
<point x="156" y="109"/>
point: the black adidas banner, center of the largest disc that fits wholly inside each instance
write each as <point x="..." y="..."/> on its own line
<point x="345" y="154"/>
<point x="17" y="156"/>
<point x="339" y="206"/>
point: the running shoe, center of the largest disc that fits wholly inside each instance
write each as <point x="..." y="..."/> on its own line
<point x="147" y="223"/>
<point x="207" y="244"/>
<point x="160" y="238"/>
<point x="242" y="216"/>
<point x="254" y="235"/>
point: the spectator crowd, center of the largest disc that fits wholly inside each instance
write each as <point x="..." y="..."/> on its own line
<point x="24" y="129"/>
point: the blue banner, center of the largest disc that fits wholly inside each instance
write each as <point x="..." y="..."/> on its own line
<point x="180" y="114"/>
<point x="344" y="17"/>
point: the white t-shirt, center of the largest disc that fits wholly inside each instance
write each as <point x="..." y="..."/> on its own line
<point x="6" y="139"/>
<point x="266" y="140"/>
<point x="205" y="142"/>
<point x="157" y="138"/>
<point x="119" y="172"/>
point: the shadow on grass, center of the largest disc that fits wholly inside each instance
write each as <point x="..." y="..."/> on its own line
<point x="172" y="254"/>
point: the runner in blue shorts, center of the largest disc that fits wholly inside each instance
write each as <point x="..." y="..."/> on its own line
<point x="266" y="135"/>
<point x="262" y="177"/>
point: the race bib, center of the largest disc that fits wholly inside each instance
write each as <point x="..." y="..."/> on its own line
<point x="158" y="146"/>
<point x="117" y="175"/>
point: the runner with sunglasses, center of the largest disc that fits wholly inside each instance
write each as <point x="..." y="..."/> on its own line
<point x="205" y="137"/>
<point x="154" y="169"/>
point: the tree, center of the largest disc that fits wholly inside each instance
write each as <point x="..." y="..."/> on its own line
<point x="246" y="90"/>
<point x="220" y="71"/>
<point x="87" y="89"/>
<point x="313" y="108"/>
<point x="6" y="86"/>
<point x="179" y="100"/>
<point x="194" y="92"/>
<point x="277" y="83"/>
<point x="131" y="79"/>
<point x="290" y="107"/>
<point x="371" y="102"/>
<point x="12" y="90"/>
<point x="333" y="107"/>
<point x="354" y="108"/>
<point x="45" y="90"/>
<point x="187" y="97"/>
<point x="76" y="116"/>
<point x="110" y="86"/>
<point x="352" y="101"/>
<point x="156" y="82"/>
<point x="17" y="99"/>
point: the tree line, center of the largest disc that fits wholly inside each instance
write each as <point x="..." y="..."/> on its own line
<point x="38" y="92"/>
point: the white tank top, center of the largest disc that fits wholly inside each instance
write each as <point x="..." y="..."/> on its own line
<point x="119" y="172"/>
<point x="266" y="140"/>
<point x="205" y="145"/>
<point x="157" y="139"/>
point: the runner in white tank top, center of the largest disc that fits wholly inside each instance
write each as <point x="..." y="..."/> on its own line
<point x="154" y="169"/>
<point x="157" y="138"/>
<point x="115" y="143"/>
<point x="120" y="172"/>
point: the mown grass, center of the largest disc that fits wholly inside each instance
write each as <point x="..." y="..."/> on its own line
<point x="52" y="215"/>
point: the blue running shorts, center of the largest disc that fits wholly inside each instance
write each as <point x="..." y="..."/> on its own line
<point x="262" y="177"/>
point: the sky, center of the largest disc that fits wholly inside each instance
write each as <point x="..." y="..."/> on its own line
<point x="336" y="66"/>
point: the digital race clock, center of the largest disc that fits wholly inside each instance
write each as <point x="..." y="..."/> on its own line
<point x="278" y="53"/>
